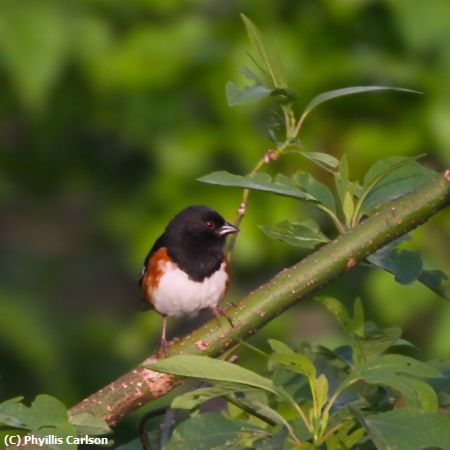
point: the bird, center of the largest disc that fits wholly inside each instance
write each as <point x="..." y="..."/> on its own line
<point x="186" y="269"/>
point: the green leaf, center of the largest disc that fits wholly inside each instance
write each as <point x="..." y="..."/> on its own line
<point x="405" y="265"/>
<point x="212" y="431"/>
<point x="237" y="96"/>
<point x="357" y="321"/>
<point x="348" y="207"/>
<point x="11" y="412"/>
<point x="272" y="415"/>
<point x="323" y="160"/>
<point x="434" y="280"/>
<point x="341" y="179"/>
<point x="416" y="393"/>
<point x="383" y="167"/>
<point x="275" y="416"/>
<point x="374" y="175"/>
<point x="87" y="423"/>
<point x="202" y="367"/>
<point x="195" y="398"/>
<point x="295" y="362"/>
<point x="376" y="341"/>
<point x="396" y="183"/>
<point x="281" y="185"/>
<point x="397" y="372"/>
<point x="409" y="429"/>
<point x="345" y="437"/>
<point x="270" y="63"/>
<point x="34" y="35"/>
<point x="396" y="364"/>
<point x="46" y="415"/>
<point x="248" y="73"/>
<point x="280" y="347"/>
<point x="304" y="234"/>
<point x="329" y="95"/>
<point x="338" y="310"/>
<point x="320" y="385"/>
<point x="316" y="189"/>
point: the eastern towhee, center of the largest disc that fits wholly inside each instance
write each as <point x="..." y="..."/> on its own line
<point x="186" y="269"/>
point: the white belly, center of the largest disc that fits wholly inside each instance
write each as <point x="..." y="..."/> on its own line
<point x="177" y="294"/>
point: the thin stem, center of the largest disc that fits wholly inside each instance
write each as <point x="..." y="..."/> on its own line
<point x="299" y="124"/>
<point x="336" y="394"/>
<point x="287" y="120"/>
<point x="269" y="156"/>
<point x="299" y="410"/>
<point x="340" y="227"/>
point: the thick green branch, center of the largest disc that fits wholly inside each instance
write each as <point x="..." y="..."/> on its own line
<point x="141" y="385"/>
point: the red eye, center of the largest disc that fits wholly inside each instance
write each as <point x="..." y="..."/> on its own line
<point x="210" y="225"/>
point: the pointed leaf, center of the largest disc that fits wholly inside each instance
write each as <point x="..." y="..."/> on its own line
<point x="305" y="234"/>
<point x="357" y="321"/>
<point x="296" y="363"/>
<point x="281" y="185"/>
<point x="392" y="371"/>
<point x="280" y="347"/>
<point x="338" y="310"/>
<point x="271" y="64"/>
<point x="345" y="437"/>
<point x="409" y="429"/>
<point x="395" y="364"/>
<point x="248" y="73"/>
<point x="348" y="207"/>
<point x="403" y="179"/>
<point x="383" y="167"/>
<point x="239" y="96"/>
<point x="211" y="369"/>
<point x="405" y="265"/>
<point x="341" y="179"/>
<point x="320" y="385"/>
<point x="273" y="415"/>
<point x="416" y="393"/>
<point x="376" y="341"/>
<point x="313" y="187"/>
<point x="323" y="160"/>
<point x="434" y="279"/>
<point x="325" y="96"/>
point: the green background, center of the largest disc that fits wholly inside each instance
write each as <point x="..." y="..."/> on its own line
<point x="110" y="110"/>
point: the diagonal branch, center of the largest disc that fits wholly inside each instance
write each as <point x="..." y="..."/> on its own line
<point x="142" y="385"/>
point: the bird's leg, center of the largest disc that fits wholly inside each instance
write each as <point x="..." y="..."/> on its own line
<point x="219" y="311"/>
<point x="164" y="344"/>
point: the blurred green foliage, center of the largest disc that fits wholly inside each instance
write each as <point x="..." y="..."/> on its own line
<point x="109" y="112"/>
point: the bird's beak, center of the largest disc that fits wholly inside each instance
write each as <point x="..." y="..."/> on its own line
<point x="227" y="228"/>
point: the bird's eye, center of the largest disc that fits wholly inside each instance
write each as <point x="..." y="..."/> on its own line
<point x="210" y="225"/>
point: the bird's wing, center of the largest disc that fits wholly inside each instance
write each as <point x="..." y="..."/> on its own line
<point x="160" y="242"/>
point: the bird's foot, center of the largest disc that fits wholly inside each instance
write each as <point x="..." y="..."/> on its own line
<point x="219" y="311"/>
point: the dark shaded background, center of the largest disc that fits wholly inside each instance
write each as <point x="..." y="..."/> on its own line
<point x="109" y="111"/>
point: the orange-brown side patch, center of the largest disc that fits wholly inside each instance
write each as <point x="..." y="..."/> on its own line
<point x="227" y="270"/>
<point x="153" y="272"/>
